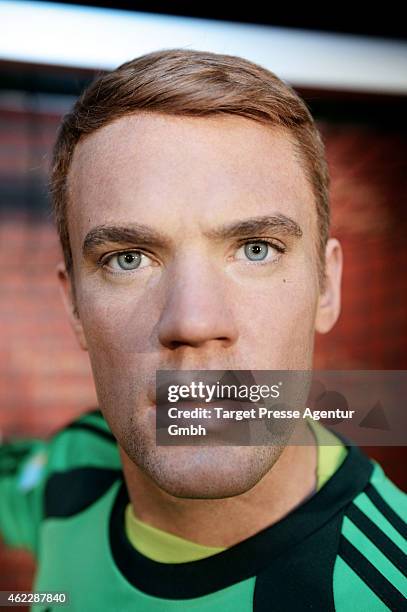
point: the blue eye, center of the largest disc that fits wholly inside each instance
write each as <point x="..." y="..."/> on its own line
<point x="256" y="251"/>
<point x="129" y="261"/>
<point x="260" y="252"/>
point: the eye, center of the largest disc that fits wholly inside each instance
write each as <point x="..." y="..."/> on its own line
<point x="126" y="261"/>
<point x="262" y="251"/>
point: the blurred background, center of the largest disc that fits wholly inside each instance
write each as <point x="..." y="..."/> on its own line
<point x="353" y="76"/>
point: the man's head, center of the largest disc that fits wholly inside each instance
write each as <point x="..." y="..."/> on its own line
<point x="191" y="198"/>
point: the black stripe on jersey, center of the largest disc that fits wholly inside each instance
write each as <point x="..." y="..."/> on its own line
<point x="302" y="580"/>
<point x="367" y="572"/>
<point x="386" y="510"/>
<point x="378" y="537"/>
<point x="92" y="429"/>
<point x="69" y="492"/>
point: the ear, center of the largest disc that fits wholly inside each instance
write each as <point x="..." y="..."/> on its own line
<point x="67" y="293"/>
<point x="329" y="301"/>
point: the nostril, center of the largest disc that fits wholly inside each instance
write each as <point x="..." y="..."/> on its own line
<point x="174" y="344"/>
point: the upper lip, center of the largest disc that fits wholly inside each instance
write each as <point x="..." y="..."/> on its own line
<point x="226" y="377"/>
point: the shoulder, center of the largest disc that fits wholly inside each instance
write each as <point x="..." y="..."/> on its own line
<point x="85" y="440"/>
<point x="372" y="546"/>
<point x="58" y="476"/>
<point x="378" y="512"/>
<point x="83" y="458"/>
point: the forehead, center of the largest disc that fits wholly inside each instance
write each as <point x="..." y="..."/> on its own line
<point x="162" y="168"/>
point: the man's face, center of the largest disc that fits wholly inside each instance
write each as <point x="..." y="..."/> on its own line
<point x="190" y="299"/>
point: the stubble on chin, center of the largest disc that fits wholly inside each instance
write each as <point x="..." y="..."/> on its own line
<point x="197" y="472"/>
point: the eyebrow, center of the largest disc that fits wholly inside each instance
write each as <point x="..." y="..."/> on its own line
<point x="139" y="234"/>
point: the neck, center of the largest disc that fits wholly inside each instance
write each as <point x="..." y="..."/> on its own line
<point x="225" y="522"/>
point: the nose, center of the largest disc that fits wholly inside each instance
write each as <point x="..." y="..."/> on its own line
<point x="197" y="309"/>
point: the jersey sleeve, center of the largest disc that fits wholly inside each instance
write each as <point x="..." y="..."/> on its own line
<point x="23" y="469"/>
<point x="27" y="466"/>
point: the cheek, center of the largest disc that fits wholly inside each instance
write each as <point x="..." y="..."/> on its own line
<point x="118" y="336"/>
<point x="116" y="347"/>
<point x="281" y="325"/>
<point x="116" y="322"/>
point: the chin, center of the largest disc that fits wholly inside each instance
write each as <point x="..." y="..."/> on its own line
<point x="207" y="472"/>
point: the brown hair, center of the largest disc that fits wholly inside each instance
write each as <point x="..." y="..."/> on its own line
<point x="187" y="82"/>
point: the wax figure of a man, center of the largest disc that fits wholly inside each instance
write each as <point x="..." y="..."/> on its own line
<point x="191" y="196"/>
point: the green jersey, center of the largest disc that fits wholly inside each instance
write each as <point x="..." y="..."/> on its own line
<point x="64" y="498"/>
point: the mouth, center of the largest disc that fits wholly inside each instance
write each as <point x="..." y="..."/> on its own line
<point x="193" y="398"/>
<point x="217" y="378"/>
